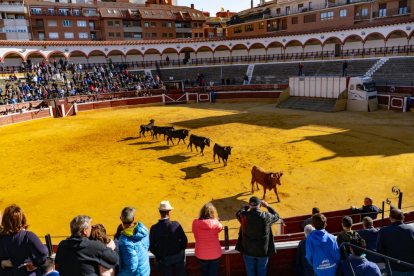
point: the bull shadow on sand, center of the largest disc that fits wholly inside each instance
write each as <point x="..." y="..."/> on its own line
<point x="197" y="171"/>
<point x="157" y="148"/>
<point x="141" y="143"/>
<point x="175" y="159"/>
<point x="228" y="206"/>
<point x="128" y="139"/>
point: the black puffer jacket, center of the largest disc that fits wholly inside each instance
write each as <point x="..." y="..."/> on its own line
<point x="255" y="235"/>
<point x="80" y="256"/>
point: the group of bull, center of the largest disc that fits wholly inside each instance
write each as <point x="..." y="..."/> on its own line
<point x="259" y="176"/>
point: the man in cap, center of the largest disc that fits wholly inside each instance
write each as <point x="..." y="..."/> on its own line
<point x="168" y="242"/>
<point x="255" y="237"/>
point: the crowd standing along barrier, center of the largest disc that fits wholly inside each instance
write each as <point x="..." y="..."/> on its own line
<point x="26" y="116"/>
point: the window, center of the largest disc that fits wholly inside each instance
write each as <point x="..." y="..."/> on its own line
<point x="109" y="11"/>
<point x="168" y="13"/>
<point x="63" y="11"/>
<point x="145" y="12"/>
<point x="237" y="30"/>
<point x="83" y="35"/>
<point x="116" y="23"/>
<point x="382" y="10"/>
<point x="402" y="7"/>
<point x="76" y="12"/>
<point x="161" y="14"/>
<point x="294" y="20"/>
<point x="51" y="11"/>
<point x="138" y="35"/>
<point x="81" y="23"/>
<point x="210" y="34"/>
<point x="146" y="24"/>
<point x="287" y="10"/>
<point x="118" y="34"/>
<point x="201" y="35"/>
<point x="327" y="15"/>
<point x="110" y="23"/>
<point x="178" y="25"/>
<point x="171" y="35"/>
<point x="127" y="35"/>
<point x="136" y="23"/>
<point x="310" y="5"/>
<point x="36" y="11"/>
<point x="67" y="23"/>
<point x="114" y="11"/>
<point x="309" y="18"/>
<point x="195" y="25"/>
<point x="169" y="24"/>
<point x="198" y="15"/>
<point x="278" y="11"/>
<point x="300" y="7"/>
<point x="248" y="28"/>
<point x="342" y="13"/>
<point x="153" y="24"/>
<point x="179" y="35"/>
<point x="364" y="12"/>
<point x="111" y="35"/>
<point x="52" y="23"/>
<point x="154" y="35"/>
<point x="147" y="35"/>
<point x="69" y="35"/>
<point x="153" y="13"/>
<point x="164" y="34"/>
<point x="196" y="35"/>
<point x="200" y="25"/>
<point x="261" y="26"/>
<point x="20" y="17"/>
<point x="164" y="24"/>
<point x="53" y="35"/>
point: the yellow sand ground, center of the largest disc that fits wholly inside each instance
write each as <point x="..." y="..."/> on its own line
<point x="94" y="164"/>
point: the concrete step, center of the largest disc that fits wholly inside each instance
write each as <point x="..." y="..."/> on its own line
<point x="311" y="104"/>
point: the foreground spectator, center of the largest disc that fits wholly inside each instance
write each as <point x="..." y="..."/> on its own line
<point x="397" y="241"/>
<point x="6" y="267"/>
<point x="360" y="265"/>
<point x="301" y="265"/>
<point x="77" y="255"/>
<point x="48" y="268"/>
<point x="322" y="251"/>
<point x="308" y="221"/>
<point x="346" y="235"/>
<point x="256" y="238"/>
<point x="133" y="246"/>
<point x="26" y="252"/>
<point x="168" y="242"/>
<point x="206" y="231"/>
<point x="98" y="233"/>
<point x="368" y="210"/>
<point x="370" y="234"/>
<point x="117" y="236"/>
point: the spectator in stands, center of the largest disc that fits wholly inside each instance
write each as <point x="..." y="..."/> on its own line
<point x="133" y="246"/>
<point x="368" y="210"/>
<point x="300" y="68"/>
<point x="346" y="235"/>
<point x="23" y="248"/>
<point x="301" y="264"/>
<point x="206" y="231"/>
<point x="246" y="80"/>
<point x="322" y="251"/>
<point x="98" y="233"/>
<point x="345" y="69"/>
<point x="360" y="265"/>
<point x="370" y="235"/>
<point x="77" y="255"/>
<point x="255" y="237"/>
<point x="48" y="268"/>
<point x="308" y="221"/>
<point x="168" y="242"/>
<point x="397" y="241"/>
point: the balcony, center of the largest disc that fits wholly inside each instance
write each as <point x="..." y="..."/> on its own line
<point x="94" y="28"/>
<point x="183" y="30"/>
<point x="38" y="28"/>
<point x="4" y="7"/>
<point x="60" y="14"/>
<point x="391" y="12"/>
<point x="133" y="29"/>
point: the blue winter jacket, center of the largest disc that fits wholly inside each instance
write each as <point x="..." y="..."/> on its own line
<point x="322" y="252"/>
<point x="133" y="251"/>
<point x="361" y="267"/>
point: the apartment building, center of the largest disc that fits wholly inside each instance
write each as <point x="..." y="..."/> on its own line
<point x="13" y="22"/>
<point x="308" y="15"/>
<point x="155" y="20"/>
<point x="216" y="26"/>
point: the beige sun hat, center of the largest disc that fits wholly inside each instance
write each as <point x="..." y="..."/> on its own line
<point x="165" y="206"/>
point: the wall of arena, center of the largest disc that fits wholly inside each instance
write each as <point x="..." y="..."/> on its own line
<point x="13" y="54"/>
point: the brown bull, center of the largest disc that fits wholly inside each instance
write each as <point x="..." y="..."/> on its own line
<point x="267" y="180"/>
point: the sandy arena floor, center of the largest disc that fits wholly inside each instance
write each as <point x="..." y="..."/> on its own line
<point x="94" y="163"/>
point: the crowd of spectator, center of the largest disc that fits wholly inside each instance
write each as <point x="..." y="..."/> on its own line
<point x="89" y="251"/>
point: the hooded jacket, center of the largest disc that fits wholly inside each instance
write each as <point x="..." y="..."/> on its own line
<point x="133" y="251"/>
<point x="322" y="252"/>
<point x="361" y="267"/>
<point x="206" y="233"/>
<point x="77" y="255"/>
<point x="346" y="236"/>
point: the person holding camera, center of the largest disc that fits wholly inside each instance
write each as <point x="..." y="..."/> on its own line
<point x="255" y="236"/>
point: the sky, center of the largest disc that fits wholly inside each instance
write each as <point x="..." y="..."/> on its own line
<point x="214" y="6"/>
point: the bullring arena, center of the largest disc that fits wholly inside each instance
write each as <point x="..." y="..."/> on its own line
<point x="95" y="164"/>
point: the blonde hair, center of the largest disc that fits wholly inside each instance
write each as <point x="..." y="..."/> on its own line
<point x="208" y="210"/>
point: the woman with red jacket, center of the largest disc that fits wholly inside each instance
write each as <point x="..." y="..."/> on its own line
<point x="206" y="231"/>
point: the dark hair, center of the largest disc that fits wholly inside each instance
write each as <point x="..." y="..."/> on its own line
<point x="163" y="213"/>
<point x="315" y="210"/>
<point x="118" y="232"/>
<point x="396" y="214"/>
<point x="367" y="221"/>
<point x="13" y="220"/>
<point x="347" y="222"/>
<point x="319" y="221"/>
<point x="48" y="265"/>
<point x="358" y="241"/>
<point x="98" y="233"/>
